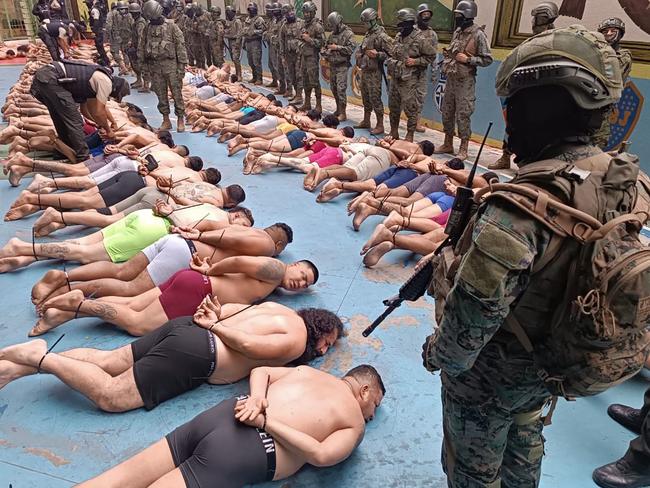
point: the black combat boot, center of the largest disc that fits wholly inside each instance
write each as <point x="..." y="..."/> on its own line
<point x="622" y="474"/>
<point x="628" y="417"/>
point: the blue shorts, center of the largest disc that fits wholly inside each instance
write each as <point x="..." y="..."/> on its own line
<point x="295" y="138"/>
<point x="394" y="177"/>
<point x="444" y="201"/>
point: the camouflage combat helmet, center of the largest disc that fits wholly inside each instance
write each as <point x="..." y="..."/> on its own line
<point x="215" y="10"/>
<point x="286" y="8"/>
<point x="309" y="10"/>
<point x="333" y="21"/>
<point x="424" y="7"/>
<point x="134" y="8"/>
<point x="613" y="23"/>
<point x="548" y="10"/>
<point x="579" y="60"/>
<point x="467" y="8"/>
<point x="406" y="15"/>
<point x="122" y="5"/>
<point x="152" y="10"/>
<point x="368" y="15"/>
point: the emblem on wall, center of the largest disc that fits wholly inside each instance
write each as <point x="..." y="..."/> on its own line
<point x="439" y="91"/>
<point x="625" y="116"/>
<point x="356" y="81"/>
<point x="325" y="69"/>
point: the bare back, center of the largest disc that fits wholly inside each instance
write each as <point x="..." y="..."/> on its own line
<point x="199" y="192"/>
<point x="241" y="288"/>
<point x="264" y="319"/>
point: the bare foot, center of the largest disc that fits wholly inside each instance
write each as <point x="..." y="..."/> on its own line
<point x="362" y="213"/>
<point x="68" y="301"/>
<point x="41" y="184"/>
<point x="21" y="211"/>
<point x="352" y="205"/>
<point x="10" y="249"/>
<point x="380" y="234"/>
<point x="51" y="319"/>
<point x="21" y="200"/>
<point x="236" y="141"/>
<point x="52" y="280"/>
<point x="376" y="253"/>
<point x="26" y="353"/>
<point x="16" y="174"/>
<point x="331" y="190"/>
<point x="47" y="223"/>
<point x="234" y="150"/>
<point x="309" y="183"/>
<point x="10" y="371"/>
<point x="9" y="264"/>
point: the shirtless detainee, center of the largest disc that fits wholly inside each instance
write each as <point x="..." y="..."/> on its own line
<point x="158" y="262"/>
<point x="238" y="279"/>
<point x="182" y="354"/>
<point x="306" y="417"/>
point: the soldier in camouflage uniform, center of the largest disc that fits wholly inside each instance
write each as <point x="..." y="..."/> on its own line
<point x="165" y="57"/>
<point x="410" y="55"/>
<point x="312" y="39"/>
<point x="370" y="59"/>
<point x="289" y="45"/>
<point x="125" y="26"/>
<point x="252" y="30"/>
<point x="613" y="29"/>
<point x="197" y="37"/>
<point x="114" y="21"/>
<point x="468" y="49"/>
<point x="205" y="22"/>
<point x="215" y="36"/>
<point x="266" y="41"/>
<point x="232" y="35"/>
<point x="492" y="393"/>
<point x="139" y="23"/>
<point x="276" y="47"/>
<point x="424" y="17"/>
<point x="338" y="50"/>
<point x="544" y="16"/>
<point x="184" y="23"/>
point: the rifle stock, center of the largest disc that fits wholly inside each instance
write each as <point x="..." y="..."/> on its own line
<point x="417" y="284"/>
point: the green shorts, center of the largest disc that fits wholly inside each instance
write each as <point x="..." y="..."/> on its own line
<point x="130" y="235"/>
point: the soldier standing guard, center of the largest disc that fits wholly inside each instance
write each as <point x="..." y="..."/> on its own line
<point x="113" y="30"/>
<point x="139" y="23"/>
<point x="215" y="36"/>
<point x="125" y="27"/>
<point x="338" y="50"/>
<point x="232" y="36"/>
<point x="469" y="48"/>
<point x="410" y="55"/>
<point x="252" y="31"/>
<point x="544" y="16"/>
<point x="197" y="28"/>
<point x="289" y="42"/>
<point x="272" y="41"/>
<point x="165" y="57"/>
<point x="276" y="46"/>
<point x="312" y="39"/>
<point x="424" y="17"/>
<point x="370" y="59"/>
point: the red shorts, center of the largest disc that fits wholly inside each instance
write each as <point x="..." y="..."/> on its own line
<point x="183" y="293"/>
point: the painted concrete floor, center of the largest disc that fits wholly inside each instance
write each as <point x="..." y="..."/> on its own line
<point x="53" y="437"/>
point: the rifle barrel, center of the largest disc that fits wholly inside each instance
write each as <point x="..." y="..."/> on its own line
<point x="472" y="173"/>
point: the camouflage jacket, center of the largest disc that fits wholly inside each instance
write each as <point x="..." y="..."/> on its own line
<point x="432" y="39"/>
<point x="163" y="43"/>
<point x="233" y="30"/>
<point x="290" y="37"/>
<point x="125" y="27"/>
<point x="378" y="40"/>
<point x="216" y="30"/>
<point x="311" y="48"/>
<point x="625" y="58"/>
<point x="253" y="28"/>
<point x="276" y="38"/>
<point x="138" y="29"/>
<point x="415" y="46"/>
<point x="344" y="39"/>
<point x="471" y="41"/>
<point x="183" y="23"/>
<point x="272" y="32"/>
<point x="492" y="276"/>
<point x="113" y="30"/>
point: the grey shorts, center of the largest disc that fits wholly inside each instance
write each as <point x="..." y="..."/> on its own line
<point x="168" y="255"/>
<point x="426" y="184"/>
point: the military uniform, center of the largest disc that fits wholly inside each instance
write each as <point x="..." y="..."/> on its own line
<point x="310" y="59"/>
<point x="183" y="23"/>
<point x="371" y="72"/>
<point x="406" y="80"/>
<point x="137" y="63"/>
<point x="205" y="23"/>
<point x="289" y="42"/>
<point x="271" y="35"/>
<point x="197" y="26"/>
<point x="113" y="32"/>
<point x="252" y="30"/>
<point x="431" y="39"/>
<point x="165" y="57"/>
<point x="460" y="90"/>
<point x="215" y="37"/>
<point x="275" y="46"/>
<point x="125" y="35"/>
<point x="339" y="61"/>
<point x="232" y="40"/>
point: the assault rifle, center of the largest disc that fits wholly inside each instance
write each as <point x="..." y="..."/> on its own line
<point x="415" y="287"/>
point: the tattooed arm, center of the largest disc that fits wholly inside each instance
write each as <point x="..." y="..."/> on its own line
<point x="265" y="269"/>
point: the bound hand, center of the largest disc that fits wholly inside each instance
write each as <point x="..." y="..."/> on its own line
<point x="426" y="348"/>
<point x="202" y="265"/>
<point x="208" y="313"/>
<point x="249" y="409"/>
<point x="162" y="209"/>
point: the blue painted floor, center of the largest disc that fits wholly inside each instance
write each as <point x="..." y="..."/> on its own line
<point x="53" y="437"/>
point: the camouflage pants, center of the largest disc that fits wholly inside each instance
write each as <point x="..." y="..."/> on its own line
<point x="116" y="51"/>
<point x="279" y="66"/>
<point x="458" y="105"/>
<point x="216" y="49"/>
<point x="235" y="54"/>
<point x="207" y="48"/>
<point x="371" y="92"/>
<point x="292" y="71"/>
<point x="310" y="72"/>
<point x="403" y="95"/>
<point x="165" y="77"/>
<point x="191" y="60"/>
<point x="493" y="428"/>
<point x="339" y="85"/>
<point x="272" y="61"/>
<point x="423" y="88"/>
<point x="254" y="56"/>
<point x="197" y="50"/>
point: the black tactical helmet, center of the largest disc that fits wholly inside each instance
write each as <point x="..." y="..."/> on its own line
<point x="467" y="8"/>
<point x="333" y="21"/>
<point x="423" y="7"/>
<point x="152" y="10"/>
<point x="167" y="6"/>
<point x="134" y="8"/>
<point x="406" y="15"/>
<point x="368" y="15"/>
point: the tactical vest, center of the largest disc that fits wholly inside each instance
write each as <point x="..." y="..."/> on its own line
<point x="401" y="50"/>
<point x="432" y="38"/>
<point x="232" y="29"/>
<point x="463" y="41"/>
<point x="159" y="42"/>
<point x="250" y="26"/>
<point x="292" y="32"/>
<point x="79" y="73"/>
<point x="314" y="29"/>
<point x="585" y="315"/>
<point x="342" y="38"/>
<point x="373" y="39"/>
